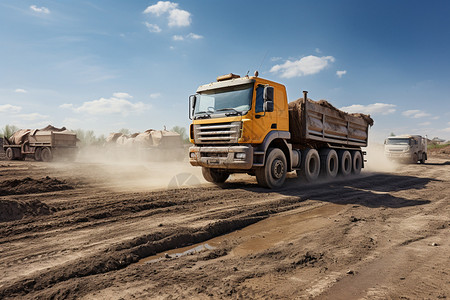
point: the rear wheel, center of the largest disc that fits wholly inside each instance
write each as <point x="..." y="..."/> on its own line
<point x="328" y="163"/>
<point x="423" y="158"/>
<point x="273" y="174"/>
<point x="46" y="154"/>
<point x="357" y="162"/>
<point x="310" y="167"/>
<point x="345" y="162"/>
<point x="215" y="175"/>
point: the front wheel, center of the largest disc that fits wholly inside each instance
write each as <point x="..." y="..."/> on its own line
<point x="9" y="154"/>
<point x="215" y="175"/>
<point x="273" y="174"/>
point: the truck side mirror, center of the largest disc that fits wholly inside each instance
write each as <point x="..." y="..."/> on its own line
<point x="268" y="99"/>
<point x="192" y="102"/>
<point x="268" y="93"/>
<point x="268" y="106"/>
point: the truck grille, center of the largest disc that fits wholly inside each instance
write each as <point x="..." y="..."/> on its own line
<point x="221" y="133"/>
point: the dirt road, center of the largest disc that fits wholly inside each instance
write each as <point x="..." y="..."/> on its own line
<point x="101" y="231"/>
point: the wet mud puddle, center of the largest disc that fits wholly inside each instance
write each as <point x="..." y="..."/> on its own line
<point x="263" y="235"/>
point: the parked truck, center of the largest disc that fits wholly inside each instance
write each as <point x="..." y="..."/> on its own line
<point x="406" y="148"/>
<point x="41" y="144"/>
<point x="246" y="125"/>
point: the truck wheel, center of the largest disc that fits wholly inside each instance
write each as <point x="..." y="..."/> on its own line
<point x="215" y="175"/>
<point x="46" y="154"/>
<point x="273" y="174"/>
<point x="310" y="167"/>
<point x="357" y="162"/>
<point x="328" y="163"/>
<point x="414" y="158"/>
<point x="423" y="158"/>
<point x="37" y="154"/>
<point x="9" y="154"/>
<point x="345" y="162"/>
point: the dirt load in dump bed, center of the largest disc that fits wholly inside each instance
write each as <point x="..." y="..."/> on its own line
<point x="120" y="233"/>
<point x="311" y="121"/>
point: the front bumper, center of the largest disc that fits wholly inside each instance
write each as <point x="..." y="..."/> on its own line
<point x="223" y="157"/>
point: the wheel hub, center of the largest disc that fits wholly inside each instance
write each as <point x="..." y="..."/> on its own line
<point x="277" y="169"/>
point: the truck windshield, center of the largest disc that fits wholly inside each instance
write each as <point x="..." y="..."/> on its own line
<point x="398" y="141"/>
<point x="234" y="100"/>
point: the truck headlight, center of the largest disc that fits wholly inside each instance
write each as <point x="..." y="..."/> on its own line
<point x="240" y="155"/>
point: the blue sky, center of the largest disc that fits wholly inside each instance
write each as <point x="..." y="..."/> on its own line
<point x="106" y="65"/>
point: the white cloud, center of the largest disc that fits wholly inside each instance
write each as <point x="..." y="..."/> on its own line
<point x="172" y="48"/>
<point x="8" y="108"/>
<point x="446" y="129"/>
<point x="155" y="95"/>
<point x="117" y="104"/>
<point x="176" y="17"/>
<point x="415" y="113"/>
<point x="191" y="35"/>
<point x="425" y="124"/>
<point x="179" y="18"/>
<point x="122" y="95"/>
<point x="41" y="10"/>
<point x="318" y="50"/>
<point x="20" y="91"/>
<point x="160" y="7"/>
<point x="152" y="27"/>
<point x="374" y="108"/>
<point x="276" y="58"/>
<point x="307" y="65"/>
<point x="194" y="36"/>
<point x="32" y="116"/>
<point x="341" y="73"/>
<point x="436" y="117"/>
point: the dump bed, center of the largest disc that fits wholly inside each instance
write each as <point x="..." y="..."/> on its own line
<point x="52" y="138"/>
<point x="311" y="121"/>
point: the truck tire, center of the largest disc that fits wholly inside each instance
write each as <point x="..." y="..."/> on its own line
<point x="9" y="154"/>
<point x="273" y="174"/>
<point x="414" y="158"/>
<point x="423" y="158"/>
<point x="345" y="162"/>
<point x="310" y="167"/>
<point x="357" y="162"/>
<point x="328" y="163"/>
<point x="37" y="154"/>
<point x="215" y="175"/>
<point x="46" y="154"/>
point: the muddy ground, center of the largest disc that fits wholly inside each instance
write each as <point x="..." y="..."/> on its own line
<point x="125" y="231"/>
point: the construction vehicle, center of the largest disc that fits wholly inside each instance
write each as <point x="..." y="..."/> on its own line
<point x="150" y="145"/>
<point x="41" y="144"/>
<point x="406" y="148"/>
<point x="245" y="125"/>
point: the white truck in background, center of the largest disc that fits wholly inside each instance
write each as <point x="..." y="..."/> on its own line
<point x="406" y="148"/>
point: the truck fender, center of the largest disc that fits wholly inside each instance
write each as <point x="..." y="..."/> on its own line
<point x="279" y="138"/>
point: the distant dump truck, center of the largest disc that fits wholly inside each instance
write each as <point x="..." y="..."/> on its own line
<point x="246" y="125"/>
<point x="152" y="145"/>
<point x="406" y="148"/>
<point x="41" y="144"/>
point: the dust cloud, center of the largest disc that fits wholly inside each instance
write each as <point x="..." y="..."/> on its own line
<point x="125" y="171"/>
<point x="377" y="161"/>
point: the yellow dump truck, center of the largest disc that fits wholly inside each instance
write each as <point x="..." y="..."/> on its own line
<point x="41" y="144"/>
<point x="246" y="125"/>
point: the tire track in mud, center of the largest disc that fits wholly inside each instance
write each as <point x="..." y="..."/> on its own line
<point x="185" y="213"/>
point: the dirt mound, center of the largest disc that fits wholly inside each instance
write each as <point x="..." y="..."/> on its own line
<point x="443" y="151"/>
<point x="11" y="210"/>
<point x="29" y="185"/>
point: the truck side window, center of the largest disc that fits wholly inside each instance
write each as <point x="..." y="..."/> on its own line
<point x="259" y="102"/>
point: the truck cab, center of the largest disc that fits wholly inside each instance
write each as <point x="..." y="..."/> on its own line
<point x="406" y="148"/>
